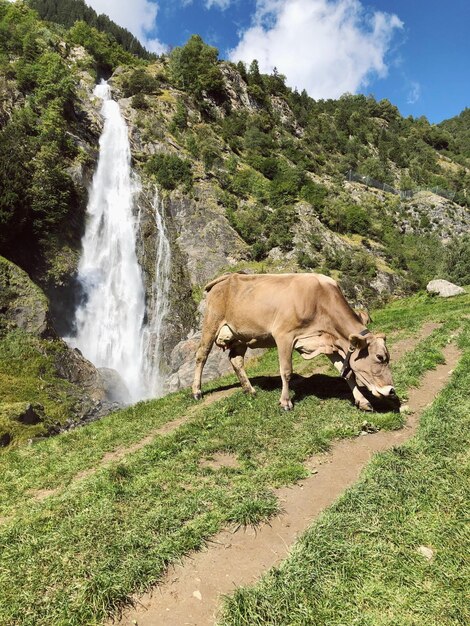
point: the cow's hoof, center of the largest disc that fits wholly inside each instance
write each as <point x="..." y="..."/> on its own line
<point x="198" y="395"/>
<point x="365" y="406"/>
<point x="288" y="406"/>
<point x="250" y="392"/>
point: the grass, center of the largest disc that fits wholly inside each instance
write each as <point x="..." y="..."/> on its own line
<point x="75" y="556"/>
<point x="360" y="563"/>
<point x="28" y="374"/>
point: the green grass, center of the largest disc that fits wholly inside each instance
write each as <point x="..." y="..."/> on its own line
<point x="73" y="557"/>
<point x="359" y="563"/>
<point x="28" y="374"/>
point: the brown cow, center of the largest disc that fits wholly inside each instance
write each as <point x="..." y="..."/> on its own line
<point x="303" y="312"/>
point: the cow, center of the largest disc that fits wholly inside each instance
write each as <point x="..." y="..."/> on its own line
<point x="305" y="312"/>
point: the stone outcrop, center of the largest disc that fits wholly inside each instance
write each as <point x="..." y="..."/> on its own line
<point x="205" y="235"/>
<point x="428" y="212"/>
<point x="22" y="303"/>
<point x="444" y="288"/>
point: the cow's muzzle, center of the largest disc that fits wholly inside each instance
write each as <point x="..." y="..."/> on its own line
<point x="385" y="392"/>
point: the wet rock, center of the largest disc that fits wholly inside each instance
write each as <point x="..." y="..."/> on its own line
<point x="72" y="365"/>
<point x="444" y="288"/>
<point x="114" y="386"/>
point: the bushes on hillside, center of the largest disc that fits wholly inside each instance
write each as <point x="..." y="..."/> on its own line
<point x="139" y="82"/>
<point x="106" y="53"/>
<point x="456" y="262"/>
<point x="169" y="170"/>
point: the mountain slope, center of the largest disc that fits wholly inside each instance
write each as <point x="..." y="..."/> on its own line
<point x="67" y="12"/>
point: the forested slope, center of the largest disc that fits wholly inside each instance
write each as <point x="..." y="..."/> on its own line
<point x="67" y="12"/>
<point x="268" y="155"/>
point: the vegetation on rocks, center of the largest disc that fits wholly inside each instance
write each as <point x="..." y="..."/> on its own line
<point x="262" y="149"/>
<point x="68" y="12"/>
<point x="33" y="364"/>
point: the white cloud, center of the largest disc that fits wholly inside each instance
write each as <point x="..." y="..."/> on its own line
<point x="414" y="93"/>
<point x="138" y="16"/>
<point x="221" y="4"/>
<point x="328" y="47"/>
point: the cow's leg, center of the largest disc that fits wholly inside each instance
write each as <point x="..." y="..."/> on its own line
<point x="210" y="327"/>
<point x="284" y="347"/>
<point x="360" y="401"/>
<point x="236" y="356"/>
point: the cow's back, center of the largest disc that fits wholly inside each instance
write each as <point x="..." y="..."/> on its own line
<point x="256" y="304"/>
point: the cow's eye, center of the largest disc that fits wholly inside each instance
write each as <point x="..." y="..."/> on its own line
<point x="380" y="358"/>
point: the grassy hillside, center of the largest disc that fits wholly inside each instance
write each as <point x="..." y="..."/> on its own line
<point x="96" y="514"/>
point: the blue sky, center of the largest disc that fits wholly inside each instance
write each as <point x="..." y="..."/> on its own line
<point x="416" y="53"/>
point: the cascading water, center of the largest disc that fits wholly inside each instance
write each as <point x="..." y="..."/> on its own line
<point x="157" y="306"/>
<point x="109" y="322"/>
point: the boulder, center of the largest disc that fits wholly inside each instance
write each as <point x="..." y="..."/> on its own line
<point x="444" y="288"/>
<point x="114" y="386"/>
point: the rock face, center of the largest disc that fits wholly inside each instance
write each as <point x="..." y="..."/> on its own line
<point x="427" y="211"/>
<point x="205" y="235"/>
<point x="22" y="303"/>
<point x="444" y="288"/>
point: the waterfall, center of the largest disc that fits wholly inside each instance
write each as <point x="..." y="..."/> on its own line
<point x="157" y="305"/>
<point x="109" y="322"/>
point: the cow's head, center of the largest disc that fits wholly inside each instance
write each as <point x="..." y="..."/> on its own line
<point x="370" y="364"/>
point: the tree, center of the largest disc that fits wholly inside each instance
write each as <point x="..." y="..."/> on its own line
<point x="194" y="68"/>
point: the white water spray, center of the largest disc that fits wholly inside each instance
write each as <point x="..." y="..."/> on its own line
<point x="109" y="323"/>
<point x="158" y="305"/>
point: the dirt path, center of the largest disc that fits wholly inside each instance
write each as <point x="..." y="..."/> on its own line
<point x="401" y="347"/>
<point x="189" y="594"/>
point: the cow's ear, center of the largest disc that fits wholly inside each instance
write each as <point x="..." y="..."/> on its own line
<point x="363" y="316"/>
<point x="358" y="341"/>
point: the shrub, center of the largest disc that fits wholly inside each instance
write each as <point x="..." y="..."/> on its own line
<point x="286" y="185"/>
<point x="314" y="194"/>
<point x="180" y="118"/>
<point x="169" y="170"/>
<point x="139" y="82"/>
<point x="139" y="102"/>
<point x="456" y="263"/>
